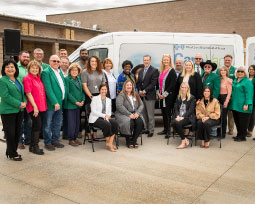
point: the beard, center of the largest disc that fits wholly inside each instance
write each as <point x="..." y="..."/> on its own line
<point x="24" y="63"/>
<point x="84" y="58"/>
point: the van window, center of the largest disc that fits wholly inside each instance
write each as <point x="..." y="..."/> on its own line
<point x="102" y="53"/>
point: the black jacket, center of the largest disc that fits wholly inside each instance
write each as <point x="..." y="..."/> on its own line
<point x="170" y="84"/>
<point x="148" y="83"/>
<point x="195" y="84"/>
<point x="190" y="110"/>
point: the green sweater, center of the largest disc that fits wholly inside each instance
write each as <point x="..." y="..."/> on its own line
<point x="242" y="94"/>
<point x="52" y="88"/>
<point x="213" y="80"/>
<point x="11" y="97"/>
<point x="74" y="93"/>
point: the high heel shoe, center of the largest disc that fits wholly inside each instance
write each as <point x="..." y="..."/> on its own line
<point x="187" y="142"/>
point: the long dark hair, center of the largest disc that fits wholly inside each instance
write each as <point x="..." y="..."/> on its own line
<point x="211" y="92"/>
<point x="134" y="94"/>
<point x="99" y="65"/>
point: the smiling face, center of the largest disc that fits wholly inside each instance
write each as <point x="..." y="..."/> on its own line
<point x="127" y="69"/>
<point x="208" y="68"/>
<point x="24" y="59"/>
<point x="147" y="61"/>
<point x="74" y="72"/>
<point x="197" y="59"/>
<point x="103" y="91"/>
<point x="240" y="74"/>
<point x="207" y="93"/>
<point x="54" y="62"/>
<point x="10" y="70"/>
<point x="184" y="89"/>
<point x="166" y="61"/>
<point x="227" y="61"/>
<point x="188" y="67"/>
<point x="251" y="71"/>
<point x="223" y="72"/>
<point x="108" y="66"/>
<point x="34" y="70"/>
<point x="38" y="55"/>
<point x="129" y="87"/>
<point x="93" y="63"/>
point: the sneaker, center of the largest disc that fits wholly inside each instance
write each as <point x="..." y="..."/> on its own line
<point x="21" y="146"/>
<point x="58" y="145"/>
<point x="49" y="147"/>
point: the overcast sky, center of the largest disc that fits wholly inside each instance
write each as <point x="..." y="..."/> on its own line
<point x="38" y="9"/>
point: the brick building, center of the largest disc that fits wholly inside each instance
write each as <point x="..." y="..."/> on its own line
<point x="195" y="16"/>
<point x="46" y="35"/>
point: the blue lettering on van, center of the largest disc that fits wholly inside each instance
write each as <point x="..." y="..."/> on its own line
<point x="177" y="47"/>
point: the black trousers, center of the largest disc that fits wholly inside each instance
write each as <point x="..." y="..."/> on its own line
<point x="204" y="129"/>
<point x="36" y="128"/>
<point x="252" y="120"/>
<point x="109" y="128"/>
<point x="73" y="123"/>
<point x="88" y="101"/>
<point x="178" y="126"/>
<point x="222" y="99"/>
<point x="242" y="122"/>
<point x="166" y="113"/>
<point x="136" y="126"/>
<point x="113" y="105"/>
<point x="12" y="128"/>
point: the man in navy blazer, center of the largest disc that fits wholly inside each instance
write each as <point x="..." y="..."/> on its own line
<point x="146" y="85"/>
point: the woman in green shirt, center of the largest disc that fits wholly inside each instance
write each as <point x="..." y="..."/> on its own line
<point x="13" y="101"/>
<point x="241" y="103"/>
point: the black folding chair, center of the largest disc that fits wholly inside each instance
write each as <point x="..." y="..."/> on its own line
<point x="92" y="129"/>
<point x="189" y="136"/>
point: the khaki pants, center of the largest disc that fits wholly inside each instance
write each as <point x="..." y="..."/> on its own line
<point x="230" y="121"/>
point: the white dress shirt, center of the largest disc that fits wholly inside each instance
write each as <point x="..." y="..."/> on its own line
<point x="60" y="81"/>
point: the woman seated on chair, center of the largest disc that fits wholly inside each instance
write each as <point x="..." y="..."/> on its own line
<point x="184" y="113"/>
<point x="208" y="115"/>
<point x="100" y="116"/>
<point x="129" y="107"/>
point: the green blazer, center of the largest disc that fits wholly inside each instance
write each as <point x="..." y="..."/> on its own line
<point x="44" y="66"/>
<point x="52" y="88"/>
<point x="11" y="97"/>
<point x="231" y="72"/>
<point x="74" y="93"/>
<point x="213" y="80"/>
<point x="242" y="94"/>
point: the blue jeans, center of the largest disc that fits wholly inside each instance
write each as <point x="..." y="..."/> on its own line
<point x="51" y="126"/>
<point x="65" y="123"/>
<point x="25" y="129"/>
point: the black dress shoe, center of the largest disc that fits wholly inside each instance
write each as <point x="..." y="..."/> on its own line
<point x="150" y="134"/>
<point x="235" y="137"/>
<point x="253" y="138"/>
<point x="239" y="139"/>
<point x="167" y="135"/>
<point x="145" y="132"/>
<point x="162" y="132"/>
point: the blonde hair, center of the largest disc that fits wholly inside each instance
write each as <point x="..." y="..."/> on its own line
<point x="34" y="63"/>
<point x="180" y="96"/>
<point x="242" y="69"/>
<point x="171" y="64"/>
<point x="184" y="70"/>
<point x="74" y="65"/>
<point x="107" y="60"/>
<point x="224" y="68"/>
<point x="133" y="93"/>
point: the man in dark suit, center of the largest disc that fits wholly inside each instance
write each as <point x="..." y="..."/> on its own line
<point x="146" y="85"/>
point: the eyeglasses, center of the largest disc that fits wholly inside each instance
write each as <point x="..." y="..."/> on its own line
<point x="198" y="58"/>
<point x="208" y="66"/>
<point x="55" y="61"/>
<point x="239" y="71"/>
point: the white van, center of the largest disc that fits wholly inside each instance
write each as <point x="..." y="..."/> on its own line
<point x="120" y="46"/>
<point x="250" y="51"/>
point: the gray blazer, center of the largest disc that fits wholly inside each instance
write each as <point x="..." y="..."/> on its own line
<point x="123" y="110"/>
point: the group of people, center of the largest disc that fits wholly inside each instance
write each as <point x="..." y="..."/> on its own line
<point x="36" y="98"/>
